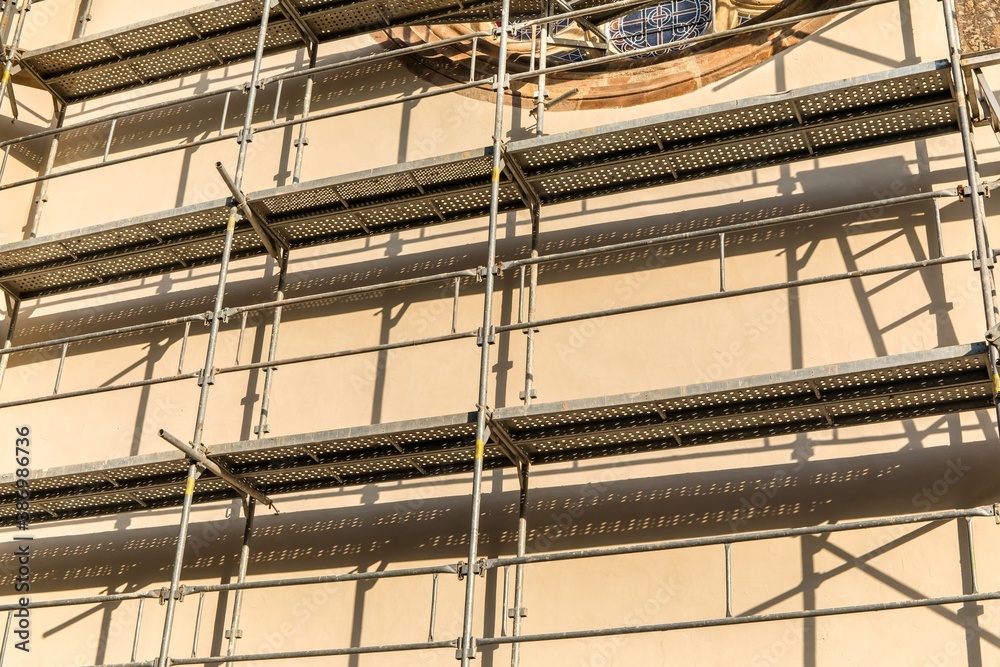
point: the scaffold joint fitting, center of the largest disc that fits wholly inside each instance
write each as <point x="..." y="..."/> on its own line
<point x="977" y="264"/>
<point x="491" y="338"/>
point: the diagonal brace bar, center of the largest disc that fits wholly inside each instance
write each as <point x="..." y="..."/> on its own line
<point x="218" y="470"/>
<point x="270" y="241"/>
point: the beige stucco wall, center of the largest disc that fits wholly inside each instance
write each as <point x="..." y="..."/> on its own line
<point x="828" y="476"/>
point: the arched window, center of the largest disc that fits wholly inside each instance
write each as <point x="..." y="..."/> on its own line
<point x="660" y="25"/>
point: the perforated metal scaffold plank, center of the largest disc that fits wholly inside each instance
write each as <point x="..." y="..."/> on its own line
<point x="904" y="386"/>
<point x="942" y="381"/>
<point x="145" y="246"/>
<point x="899" y="105"/>
<point x="181" y="43"/>
<point x="224" y="33"/>
<point x="864" y="112"/>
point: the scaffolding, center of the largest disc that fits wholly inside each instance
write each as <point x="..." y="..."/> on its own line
<point x="944" y="97"/>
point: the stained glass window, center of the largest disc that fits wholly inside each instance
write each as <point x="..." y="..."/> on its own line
<point x="661" y="24"/>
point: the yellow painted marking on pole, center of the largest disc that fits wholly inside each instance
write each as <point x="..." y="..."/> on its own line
<point x="6" y="75"/>
<point x="496" y="174"/>
<point x="996" y="383"/>
<point x="190" y="487"/>
<point x="232" y="220"/>
<point x="480" y="449"/>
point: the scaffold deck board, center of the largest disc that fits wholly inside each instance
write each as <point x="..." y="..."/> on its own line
<point x="894" y="106"/>
<point x="942" y="381"/>
<point x="224" y="33"/>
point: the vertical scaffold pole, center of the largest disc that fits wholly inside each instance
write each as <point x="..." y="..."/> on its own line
<point x="272" y="352"/>
<point x="543" y="58"/>
<point x="207" y="371"/>
<point x="244" y="140"/>
<point x="466" y="650"/>
<point x="50" y="161"/>
<point x="83" y="18"/>
<point x="303" y="140"/>
<point x="8" y="66"/>
<point x="175" y="577"/>
<point x="529" y="349"/>
<point x="235" y="633"/>
<point x="13" y="309"/>
<point x="9" y="9"/>
<point x="983" y="252"/>
<point x="522" y="544"/>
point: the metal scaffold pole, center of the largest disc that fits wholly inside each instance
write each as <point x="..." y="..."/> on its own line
<point x="83" y="18"/>
<point x="175" y="576"/>
<point x="467" y="649"/>
<point x="543" y="60"/>
<point x="519" y="611"/>
<point x="984" y="254"/>
<point x="8" y="65"/>
<point x="529" y="350"/>
<point x="302" y="141"/>
<point x="246" y="136"/>
<point x="207" y="371"/>
<point x="272" y="352"/>
<point x="235" y="633"/>
<point x="13" y="310"/>
<point x="50" y="161"/>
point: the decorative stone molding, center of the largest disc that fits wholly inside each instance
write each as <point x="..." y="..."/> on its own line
<point x="979" y="25"/>
<point x="627" y="82"/>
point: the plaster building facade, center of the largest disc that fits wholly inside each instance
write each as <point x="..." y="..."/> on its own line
<point x="675" y="320"/>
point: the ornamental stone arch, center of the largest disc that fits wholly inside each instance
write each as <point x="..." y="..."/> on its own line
<point x="630" y="80"/>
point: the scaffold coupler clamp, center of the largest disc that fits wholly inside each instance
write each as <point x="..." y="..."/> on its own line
<point x="463" y="569"/>
<point x="522" y="612"/>
<point x="458" y="649"/>
<point x="490" y="337"/>
<point x="164" y="594"/>
<point x="977" y="263"/>
<point x="206" y="376"/>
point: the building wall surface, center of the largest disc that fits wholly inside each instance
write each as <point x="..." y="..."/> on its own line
<point x="826" y="477"/>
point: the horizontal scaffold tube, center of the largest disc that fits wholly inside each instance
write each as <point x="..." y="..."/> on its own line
<point x="743" y="620"/>
<point x="93" y="599"/>
<point x="107" y="333"/>
<point x="352" y="291"/>
<point x="324" y="579"/>
<point x="316" y="653"/>
<point x="565" y="319"/>
<point x="884" y="522"/>
<point x="726" y="229"/>
<point x="754" y="27"/>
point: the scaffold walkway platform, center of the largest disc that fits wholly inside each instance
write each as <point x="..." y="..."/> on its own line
<point x="900" y="105"/>
<point x="942" y="381"/>
<point x="225" y="33"/>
